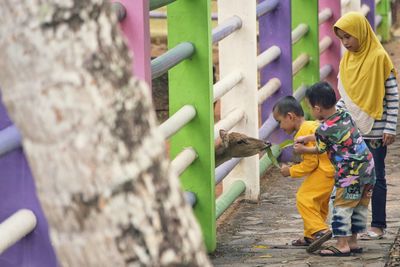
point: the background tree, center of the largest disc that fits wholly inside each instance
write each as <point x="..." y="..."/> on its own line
<point x="90" y="135"/>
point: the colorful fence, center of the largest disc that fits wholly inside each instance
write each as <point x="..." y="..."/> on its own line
<point x="290" y="51"/>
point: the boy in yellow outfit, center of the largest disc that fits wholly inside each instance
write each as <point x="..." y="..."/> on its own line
<point x="312" y="198"/>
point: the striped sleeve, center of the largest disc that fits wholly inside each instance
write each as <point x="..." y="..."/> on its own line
<point x="340" y="104"/>
<point x="392" y="105"/>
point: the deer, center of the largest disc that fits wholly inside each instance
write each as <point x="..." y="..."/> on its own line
<point x="237" y="145"/>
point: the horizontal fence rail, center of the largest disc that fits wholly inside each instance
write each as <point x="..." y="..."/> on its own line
<point x="300" y="62"/>
<point x="16" y="227"/>
<point x="154" y="4"/>
<point x="10" y="139"/>
<point x="324" y="44"/>
<point x="183" y="160"/>
<point x="228" y="122"/>
<point x="298" y="33"/>
<point x="171" y="58"/>
<point x="324" y="15"/>
<point x="266" y="6"/>
<point x="226" y="199"/>
<point x="325" y="71"/>
<point x="268" y="56"/>
<point x="226" y="28"/>
<point x="268" y="89"/>
<point x="226" y="84"/>
<point x="177" y="121"/>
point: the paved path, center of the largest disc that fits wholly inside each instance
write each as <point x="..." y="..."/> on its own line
<point x="259" y="234"/>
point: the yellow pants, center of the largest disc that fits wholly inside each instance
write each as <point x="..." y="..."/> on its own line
<point x="312" y="201"/>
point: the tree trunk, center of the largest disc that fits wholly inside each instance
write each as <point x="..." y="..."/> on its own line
<point x="89" y="132"/>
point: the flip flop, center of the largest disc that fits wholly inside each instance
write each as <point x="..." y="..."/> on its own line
<point x="302" y="242"/>
<point x="356" y="250"/>
<point x="371" y="235"/>
<point x="335" y="252"/>
<point x="320" y="238"/>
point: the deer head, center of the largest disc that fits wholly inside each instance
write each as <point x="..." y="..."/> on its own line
<point x="237" y="145"/>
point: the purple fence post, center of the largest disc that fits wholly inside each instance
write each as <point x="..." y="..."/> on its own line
<point x="136" y="29"/>
<point x="17" y="191"/>
<point x="331" y="55"/>
<point x="275" y="29"/>
<point x="371" y="13"/>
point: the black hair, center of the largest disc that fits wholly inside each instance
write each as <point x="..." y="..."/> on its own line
<point x="321" y="94"/>
<point x="288" y="104"/>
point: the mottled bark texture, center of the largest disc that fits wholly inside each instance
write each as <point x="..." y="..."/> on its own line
<point x="90" y="135"/>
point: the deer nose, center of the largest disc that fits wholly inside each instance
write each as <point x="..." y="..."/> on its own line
<point x="267" y="144"/>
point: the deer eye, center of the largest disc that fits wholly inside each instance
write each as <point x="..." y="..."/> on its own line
<point x="241" y="142"/>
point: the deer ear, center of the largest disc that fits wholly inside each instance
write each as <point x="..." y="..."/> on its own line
<point x="224" y="137"/>
<point x="222" y="133"/>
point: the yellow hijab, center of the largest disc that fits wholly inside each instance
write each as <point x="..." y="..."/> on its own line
<point x="363" y="73"/>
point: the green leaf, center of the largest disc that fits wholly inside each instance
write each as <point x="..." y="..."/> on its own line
<point x="286" y="144"/>
<point x="272" y="158"/>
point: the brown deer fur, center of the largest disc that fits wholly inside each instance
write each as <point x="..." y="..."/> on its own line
<point x="237" y="145"/>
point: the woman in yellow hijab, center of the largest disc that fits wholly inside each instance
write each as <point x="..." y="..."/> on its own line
<point x="368" y="88"/>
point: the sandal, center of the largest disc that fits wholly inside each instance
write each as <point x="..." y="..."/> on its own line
<point x="371" y="235"/>
<point x="356" y="250"/>
<point x="335" y="252"/>
<point x="302" y="242"/>
<point x="320" y="238"/>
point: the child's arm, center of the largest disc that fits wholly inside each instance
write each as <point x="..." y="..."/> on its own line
<point x="302" y="149"/>
<point x="305" y="139"/>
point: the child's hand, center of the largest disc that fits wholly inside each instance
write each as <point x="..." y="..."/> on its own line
<point x="299" y="148"/>
<point x="285" y="170"/>
<point x="300" y="140"/>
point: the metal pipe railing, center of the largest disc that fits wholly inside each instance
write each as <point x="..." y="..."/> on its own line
<point x="229" y="121"/>
<point x="324" y="15"/>
<point x="227" y="27"/>
<point x="154" y="4"/>
<point x="365" y="9"/>
<point x="228" y="197"/>
<point x="268" y="89"/>
<point x="266" y="6"/>
<point x="119" y="9"/>
<point x="298" y="33"/>
<point x="268" y="56"/>
<point x="171" y="58"/>
<point x="177" y="121"/>
<point x="324" y="44"/>
<point x="15" y="227"/>
<point x="325" y="71"/>
<point x="10" y="139"/>
<point x="183" y="160"/>
<point x="300" y="62"/>
<point x="226" y="84"/>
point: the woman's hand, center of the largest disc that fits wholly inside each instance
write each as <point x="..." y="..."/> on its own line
<point x="285" y="170"/>
<point x="388" y="139"/>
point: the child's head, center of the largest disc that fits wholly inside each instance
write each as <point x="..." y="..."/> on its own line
<point x="321" y="97"/>
<point x="354" y="31"/>
<point x="287" y="112"/>
<point x="350" y="42"/>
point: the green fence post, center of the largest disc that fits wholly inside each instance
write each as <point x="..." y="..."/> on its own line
<point x="383" y="9"/>
<point x="308" y="45"/>
<point x="190" y="82"/>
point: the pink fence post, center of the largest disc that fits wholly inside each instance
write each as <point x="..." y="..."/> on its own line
<point x="332" y="55"/>
<point x="136" y="29"/>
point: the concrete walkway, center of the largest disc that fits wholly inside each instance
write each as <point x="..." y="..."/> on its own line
<point x="259" y="234"/>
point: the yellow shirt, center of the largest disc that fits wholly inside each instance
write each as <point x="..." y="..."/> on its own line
<point x="311" y="162"/>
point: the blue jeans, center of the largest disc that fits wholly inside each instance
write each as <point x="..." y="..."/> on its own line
<point x="379" y="194"/>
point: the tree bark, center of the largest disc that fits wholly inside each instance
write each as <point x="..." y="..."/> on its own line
<point x="89" y="132"/>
